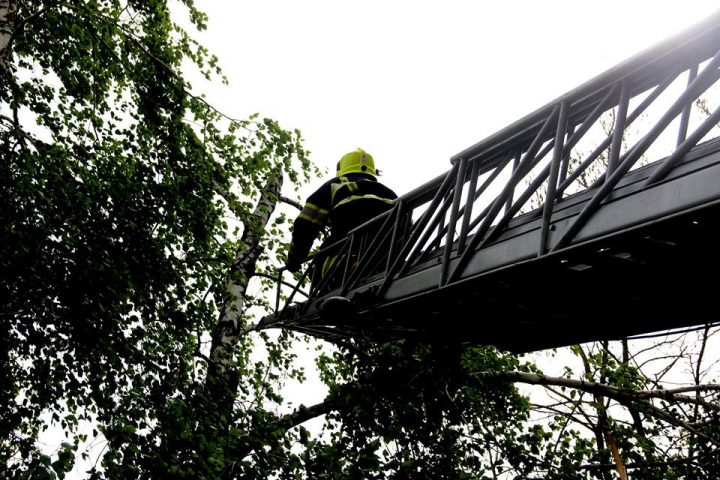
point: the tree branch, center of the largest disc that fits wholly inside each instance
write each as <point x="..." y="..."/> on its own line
<point x="137" y="41"/>
<point x="610" y="466"/>
<point x="20" y="131"/>
<point x="298" y="417"/>
<point x="290" y="201"/>
<point x="303" y="413"/>
<point x="622" y="396"/>
<point x="673" y="395"/>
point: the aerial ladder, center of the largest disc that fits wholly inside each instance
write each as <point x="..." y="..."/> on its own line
<point x="553" y="231"/>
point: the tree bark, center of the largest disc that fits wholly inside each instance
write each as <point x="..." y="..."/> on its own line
<point x="8" y="14"/>
<point x="222" y="379"/>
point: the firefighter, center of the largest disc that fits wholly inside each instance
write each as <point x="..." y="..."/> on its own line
<point x="343" y="203"/>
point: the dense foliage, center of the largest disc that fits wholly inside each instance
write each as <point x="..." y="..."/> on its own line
<point x="116" y="247"/>
<point x="134" y="217"/>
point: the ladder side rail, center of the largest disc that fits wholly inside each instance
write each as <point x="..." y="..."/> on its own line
<point x="436" y="223"/>
<point x="472" y="225"/>
<point x="467" y="209"/>
<point x="309" y="262"/>
<point x="345" y="246"/>
<point x="366" y="257"/>
<point x="312" y="295"/>
<point x="711" y="78"/>
<point x="524" y="167"/>
<point x="574" y="138"/>
<point x="441" y="233"/>
<point x="290" y="298"/>
<point x="630" y="119"/>
<point x="677" y="50"/>
<point x="618" y="128"/>
<point x="636" y="114"/>
<point x="589" y="120"/>
<point x="279" y="282"/>
<point x="703" y="81"/>
<point x="517" y="205"/>
<point x="372" y="258"/>
<point x="516" y="163"/>
<point x="565" y="163"/>
<point x="398" y="231"/>
<point x="357" y="242"/>
<point x="424" y="219"/>
<point x="521" y="175"/>
<point x="476" y="221"/>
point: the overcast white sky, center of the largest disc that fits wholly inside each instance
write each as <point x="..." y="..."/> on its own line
<point x="415" y="82"/>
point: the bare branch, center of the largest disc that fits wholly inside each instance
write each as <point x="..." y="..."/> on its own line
<point x="710" y="387"/>
<point x="290" y="201"/>
<point x="622" y="396"/>
<point x="610" y="466"/>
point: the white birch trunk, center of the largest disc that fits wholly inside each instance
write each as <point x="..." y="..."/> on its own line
<point x="8" y="12"/>
<point x="229" y="328"/>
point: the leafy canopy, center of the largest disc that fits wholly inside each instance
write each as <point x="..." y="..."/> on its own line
<point x="122" y="198"/>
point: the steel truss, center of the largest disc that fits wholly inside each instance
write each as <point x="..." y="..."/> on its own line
<point x="463" y="237"/>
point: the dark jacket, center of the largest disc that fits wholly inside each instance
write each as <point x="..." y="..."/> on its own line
<point x="343" y="203"/>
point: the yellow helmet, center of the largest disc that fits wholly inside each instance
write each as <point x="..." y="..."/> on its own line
<point x="357" y="161"/>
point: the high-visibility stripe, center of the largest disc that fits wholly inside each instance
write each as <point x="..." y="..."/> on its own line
<point x="315" y="207"/>
<point x="310" y="219"/>
<point x="325" y="266"/>
<point x="352" y="198"/>
<point x="329" y="263"/>
<point x="313" y="214"/>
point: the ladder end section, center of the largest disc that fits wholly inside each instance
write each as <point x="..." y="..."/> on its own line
<point x="268" y="321"/>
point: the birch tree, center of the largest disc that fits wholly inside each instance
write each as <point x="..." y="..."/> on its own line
<point x="134" y="216"/>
